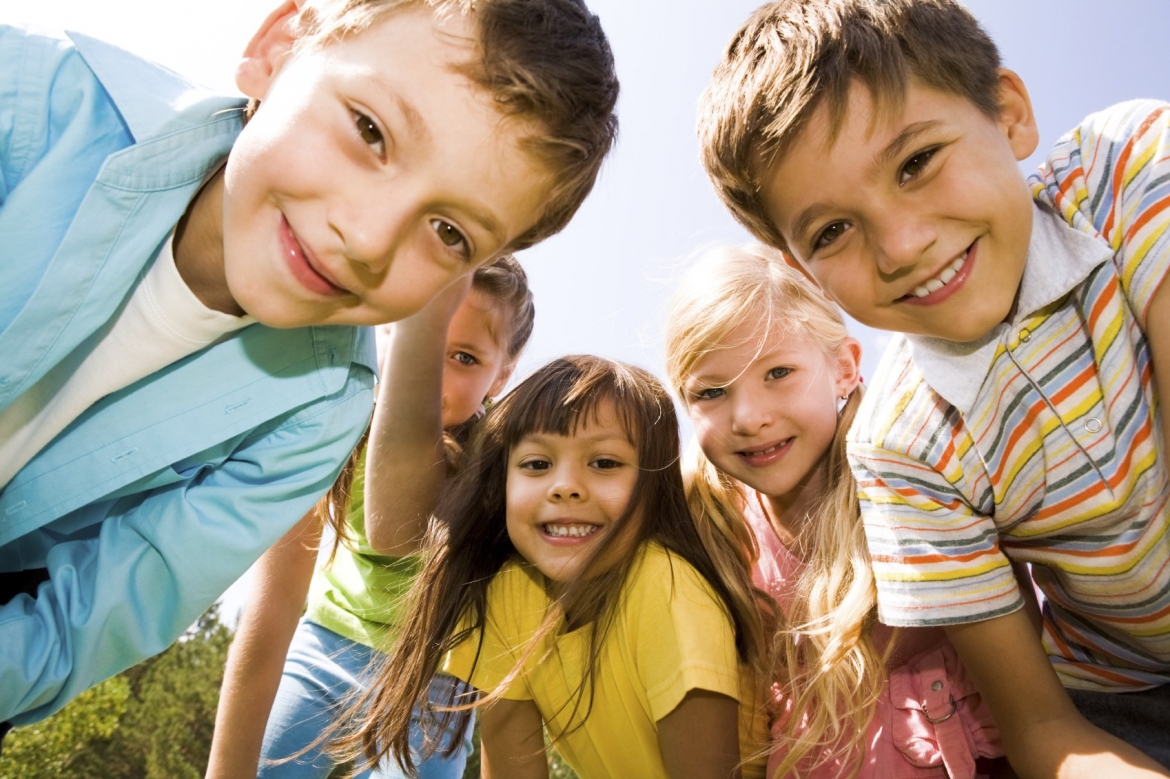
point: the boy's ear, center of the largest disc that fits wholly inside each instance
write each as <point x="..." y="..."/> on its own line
<point x="848" y="367"/>
<point x="1016" y="119"/>
<point x="265" y="53"/>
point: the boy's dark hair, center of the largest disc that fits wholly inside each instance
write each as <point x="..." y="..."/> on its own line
<point x="547" y="62"/>
<point x="792" y="56"/>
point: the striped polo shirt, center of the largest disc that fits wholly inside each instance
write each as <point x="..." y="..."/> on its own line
<point x="1040" y="442"/>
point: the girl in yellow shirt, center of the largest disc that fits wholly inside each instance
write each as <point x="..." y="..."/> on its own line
<point x="565" y="579"/>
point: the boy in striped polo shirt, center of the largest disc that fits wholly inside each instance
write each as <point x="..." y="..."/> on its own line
<point x="1015" y="421"/>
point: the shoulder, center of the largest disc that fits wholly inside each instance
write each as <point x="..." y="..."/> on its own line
<point x="898" y="405"/>
<point x="664" y="589"/>
<point x="1106" y="157"/>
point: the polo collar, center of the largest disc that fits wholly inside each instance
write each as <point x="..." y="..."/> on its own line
<point x="1059" y="258"/>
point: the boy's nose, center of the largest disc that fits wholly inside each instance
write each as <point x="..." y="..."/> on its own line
<point x="902" y="242"/>
<point x="370" y="232"/>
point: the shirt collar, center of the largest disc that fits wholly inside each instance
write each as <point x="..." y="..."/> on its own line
<point x="1059" y="258"/>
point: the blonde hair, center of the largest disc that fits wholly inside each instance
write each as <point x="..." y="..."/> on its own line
<point x="793" y="56"/>
<point x="823" y="654"/>
<point x="547" y="62"/>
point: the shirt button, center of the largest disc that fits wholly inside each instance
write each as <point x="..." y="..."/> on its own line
<point x="936" y="685"/>
<point x="1025" y="335"/>
<point x="1093" y="425"/>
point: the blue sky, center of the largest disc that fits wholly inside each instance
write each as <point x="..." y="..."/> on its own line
<point x="601" y="285"/>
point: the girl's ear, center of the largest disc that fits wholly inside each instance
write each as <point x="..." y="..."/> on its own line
<point x="501" y="380"/>
<point x="265" y="53"/>
<point x="848" y="367"/>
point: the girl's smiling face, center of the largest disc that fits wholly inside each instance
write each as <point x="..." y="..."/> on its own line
<point x="765" y="410"/>
<point x="565" y="492"/>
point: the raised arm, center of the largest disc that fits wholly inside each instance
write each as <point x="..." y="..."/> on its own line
<point x="405" y="464"/>
<point x="256" y="660"/>
<point x="1043" y="733"/>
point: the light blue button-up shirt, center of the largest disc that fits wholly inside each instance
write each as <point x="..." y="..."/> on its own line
<point x="149" y="505"/>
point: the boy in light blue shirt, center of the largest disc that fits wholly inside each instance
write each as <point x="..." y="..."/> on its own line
<point x="182" y="376"/>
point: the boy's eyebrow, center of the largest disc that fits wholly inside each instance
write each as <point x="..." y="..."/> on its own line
<point x="417" y="127"/>
<point x="881" y="160"/>
<point x="894" y="148"/>
<point x="415" y="124"/>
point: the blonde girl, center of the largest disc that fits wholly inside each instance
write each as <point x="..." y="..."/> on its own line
<point x="770" y="378"/>
<point x="293" y="672"/>
<point x="564" y="578"/>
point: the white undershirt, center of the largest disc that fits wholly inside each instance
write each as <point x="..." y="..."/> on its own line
<point x="162" y="322"/>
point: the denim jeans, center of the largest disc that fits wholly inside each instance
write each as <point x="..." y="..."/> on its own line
<point x="1141" y="719"/>
<point x="321" y="669"/>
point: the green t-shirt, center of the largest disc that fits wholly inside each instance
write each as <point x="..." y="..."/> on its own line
<point x="360" y="594"/>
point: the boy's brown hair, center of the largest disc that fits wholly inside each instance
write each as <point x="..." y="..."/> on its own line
<point x="543" y="61"/>
<point x="792" y="56"/>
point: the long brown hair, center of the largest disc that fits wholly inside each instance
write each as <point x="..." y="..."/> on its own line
<point x="468" y="544"/>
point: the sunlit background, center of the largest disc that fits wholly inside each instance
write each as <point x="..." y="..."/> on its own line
<point x="601" y="285"/>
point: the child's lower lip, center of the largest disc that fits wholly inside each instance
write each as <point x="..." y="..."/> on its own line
<point x="939" y="295"/>
<point x="778" y="451"/>
<point x="298" y="264"/>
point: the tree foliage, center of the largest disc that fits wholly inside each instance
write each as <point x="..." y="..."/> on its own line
<point x="154" y="720"/>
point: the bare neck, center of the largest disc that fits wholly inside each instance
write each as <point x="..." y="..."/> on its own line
<point x="198" y="248"/>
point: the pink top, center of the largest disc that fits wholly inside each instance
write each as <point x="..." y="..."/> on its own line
<point x="929" y="720"/>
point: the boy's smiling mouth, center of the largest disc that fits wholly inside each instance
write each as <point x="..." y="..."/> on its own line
<point x="947" y="282"/>
<point x="301" y="263"/>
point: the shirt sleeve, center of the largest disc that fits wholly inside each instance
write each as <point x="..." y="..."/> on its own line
<point x="505" y="634"/>
<point x="682" y="634"/>
<point x="927" y="507"/>
<point x="1111" y="176"/>
<point x="159" y="559"/>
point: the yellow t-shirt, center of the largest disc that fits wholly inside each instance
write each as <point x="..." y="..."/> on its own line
<point x="671" y="635"/>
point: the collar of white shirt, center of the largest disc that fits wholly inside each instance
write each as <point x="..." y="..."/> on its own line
<point x="1059" y="258"/>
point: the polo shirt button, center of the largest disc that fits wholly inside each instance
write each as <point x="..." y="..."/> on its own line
<point x="1093" y="425"/>
<point x="1025" y="335"/>
<point x="936" y="685"/>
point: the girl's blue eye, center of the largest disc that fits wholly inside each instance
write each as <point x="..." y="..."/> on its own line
<point x="450" y="236"/>
<point x="710" y="393"/>
<point x="368" y="131"/>
<point x="830" y="233"/>
<point x="914" y="166"/>
<point x="463" y="358"/>
<point x="779" y="373"/>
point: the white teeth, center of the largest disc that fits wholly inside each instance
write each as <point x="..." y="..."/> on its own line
<point x="944" y="278"/>
<point x="570" y="531"/>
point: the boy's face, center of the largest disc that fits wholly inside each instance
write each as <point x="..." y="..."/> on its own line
<point x="372" y="174"/>
<point x="914" y="220"/>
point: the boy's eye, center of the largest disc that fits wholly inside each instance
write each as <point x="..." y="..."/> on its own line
<point x="449" y="234"/>
<point x="367" y="130"/>
<point x="463" y="358"/>
<point x="914" y="166"/>
<point x="606" y="463"/>
<point x="535" y="465"/>
<point x="779" y="373"/>
<point x="830" y="233"/>
<point x="710" y="393"/>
